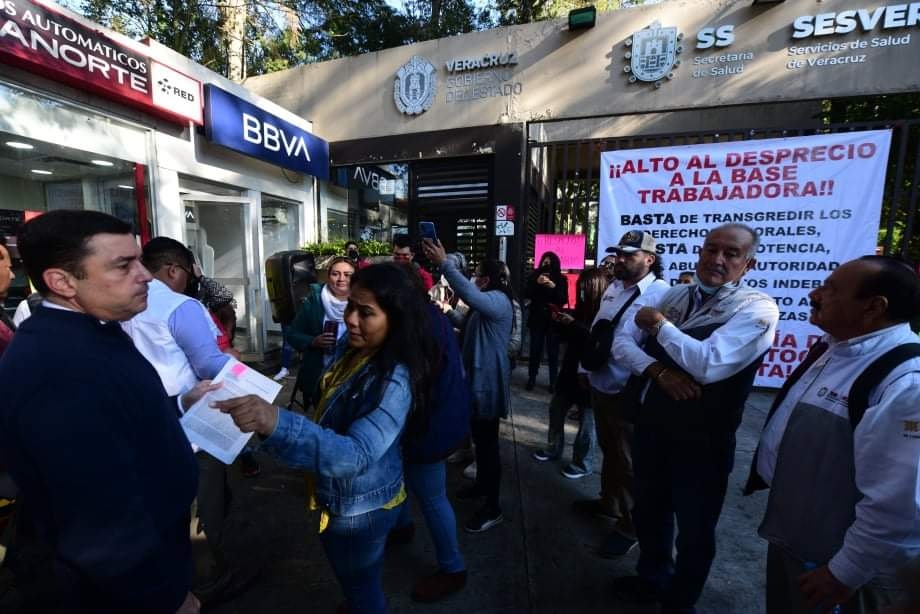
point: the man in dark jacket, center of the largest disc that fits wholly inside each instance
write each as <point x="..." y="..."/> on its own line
<point x="87" y="430"/>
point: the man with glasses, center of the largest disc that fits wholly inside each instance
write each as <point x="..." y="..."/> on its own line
<point x="178" y="337"/>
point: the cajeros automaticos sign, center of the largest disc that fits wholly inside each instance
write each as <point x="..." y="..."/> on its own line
<point x="47" y="42"/>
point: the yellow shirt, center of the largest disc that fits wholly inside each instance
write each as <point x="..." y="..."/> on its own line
<point x="336" y="376"/>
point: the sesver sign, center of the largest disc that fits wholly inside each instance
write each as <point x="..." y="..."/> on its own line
<point x="814" y="200"/>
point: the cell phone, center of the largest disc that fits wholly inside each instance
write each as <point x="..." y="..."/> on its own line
<point x="332" y="328"/>
<point x="427" y="231"/>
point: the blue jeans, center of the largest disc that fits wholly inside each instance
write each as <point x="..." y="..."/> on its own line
<point x="354" y="546"/>
<point x="427" y="484"/>
<point x="286" y="349"/>
<point x="585" y="439"/>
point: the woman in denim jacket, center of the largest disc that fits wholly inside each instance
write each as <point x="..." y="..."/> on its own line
<point x="377" y="387"/>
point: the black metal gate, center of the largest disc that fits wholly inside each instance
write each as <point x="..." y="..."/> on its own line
<point x="563" y="184"/>
<point x="456" y="195"/>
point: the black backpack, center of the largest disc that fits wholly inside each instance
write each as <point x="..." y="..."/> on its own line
<point x="596" y="351"/>
<point x="872" y="376"/>
<point x="857" y="398"/>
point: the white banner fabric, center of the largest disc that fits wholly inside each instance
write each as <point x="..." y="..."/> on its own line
<point x="815" y="200"/>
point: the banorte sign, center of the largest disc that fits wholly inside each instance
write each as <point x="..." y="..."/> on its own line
<point x="47" y="42"/>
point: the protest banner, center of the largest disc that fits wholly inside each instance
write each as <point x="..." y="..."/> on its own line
<point x="569" y="248"/>
<point x="814" y="200"/>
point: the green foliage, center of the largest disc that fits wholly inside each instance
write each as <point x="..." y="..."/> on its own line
<point x="511" y="12"/>
<point x="337" y="248"/>
<point x="280" y="34"/>
<point x="884" y="109"/>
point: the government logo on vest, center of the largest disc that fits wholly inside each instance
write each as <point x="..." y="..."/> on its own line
<point x="415" y="86"/>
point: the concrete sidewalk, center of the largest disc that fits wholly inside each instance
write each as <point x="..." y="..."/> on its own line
<point x="541" y="559"/>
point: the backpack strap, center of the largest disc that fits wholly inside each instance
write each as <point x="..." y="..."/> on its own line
<point x="872" y="376"/>
<point x="616" y="319"/>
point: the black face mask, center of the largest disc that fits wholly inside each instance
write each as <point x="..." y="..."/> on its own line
<point x="353" y="254"/>
<point x="545" y="269"/>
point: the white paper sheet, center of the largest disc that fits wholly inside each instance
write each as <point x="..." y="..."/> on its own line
<point x="215" y="431"/>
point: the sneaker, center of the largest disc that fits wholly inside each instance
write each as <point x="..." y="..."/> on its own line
<point x="483" y="520"/>
<point x="280" y="375"/>
<point x="468" y="493"/>
<point x="463" y="455"/>
<point x="592" y="507"/>
<point x="469" y="472"/>
<point x="615" y="546"/>
<point x="400" y="536"/>
<point x="574" y="473"/>
<point x="543" y="456"/>
<point x="438" y="586"/>
<point x="633" y="589"/>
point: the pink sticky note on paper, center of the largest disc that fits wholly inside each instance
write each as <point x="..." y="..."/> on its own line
<point x="237" y="370"/>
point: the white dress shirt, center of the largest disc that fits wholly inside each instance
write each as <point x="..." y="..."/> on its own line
<point x="612" y="377"/>
<point x="728" y="350"/>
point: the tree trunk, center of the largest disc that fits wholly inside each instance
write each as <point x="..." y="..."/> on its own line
<point x="233" y="31"/>
<point x="435" y="17"/>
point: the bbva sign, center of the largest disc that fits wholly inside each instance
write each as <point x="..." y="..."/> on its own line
<point x="240" y="125"/>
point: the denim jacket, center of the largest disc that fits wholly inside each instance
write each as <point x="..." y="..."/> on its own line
<point x="354" y="449"/>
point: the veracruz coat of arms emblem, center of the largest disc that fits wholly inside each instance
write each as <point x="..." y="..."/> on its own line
<point x="653" y="53"/>
<point x="415" y="86"/>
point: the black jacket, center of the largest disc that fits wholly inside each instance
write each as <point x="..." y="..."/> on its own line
<point x="94" y="444"/>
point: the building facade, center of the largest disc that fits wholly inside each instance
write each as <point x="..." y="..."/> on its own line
<point x="90" y="119"/>
<point x="462" y="128"/>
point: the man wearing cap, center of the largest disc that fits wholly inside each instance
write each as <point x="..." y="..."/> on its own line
<point x="637" y="271"/>
<point x="695" y="353"/>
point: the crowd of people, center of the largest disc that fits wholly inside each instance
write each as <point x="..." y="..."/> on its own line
<point x="403" y="366"/>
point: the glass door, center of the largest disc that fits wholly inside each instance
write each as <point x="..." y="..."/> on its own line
<point x="280" y="233"/>
<point x="217" y="232"/>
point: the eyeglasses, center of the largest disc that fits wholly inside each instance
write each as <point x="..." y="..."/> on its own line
<point x="608" y="265"/>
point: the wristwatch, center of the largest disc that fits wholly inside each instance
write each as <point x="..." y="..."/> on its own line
<point x="657" y="327"/>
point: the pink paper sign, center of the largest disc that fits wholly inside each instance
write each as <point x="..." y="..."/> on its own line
<point x="569" y="248"/>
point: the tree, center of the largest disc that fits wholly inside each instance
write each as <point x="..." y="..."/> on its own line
<point x="889" y="108"/>
<point x="258" y="36"/>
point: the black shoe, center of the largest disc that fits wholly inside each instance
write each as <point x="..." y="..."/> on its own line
<point x="615" y="546"/>
<point x="633" y="589"/>
<point x="530" y="384"/>
<point x="551" y="388"/>
<point x="592" y="507"/>
<point x="468" y="493"/>
<point x="483" y="520"/>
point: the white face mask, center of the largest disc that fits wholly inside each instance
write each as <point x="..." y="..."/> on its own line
<point x="714" y="289"/>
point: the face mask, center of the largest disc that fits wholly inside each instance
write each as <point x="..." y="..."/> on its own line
<point x="713" y="289"/>
<point x="353" y="254"/>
